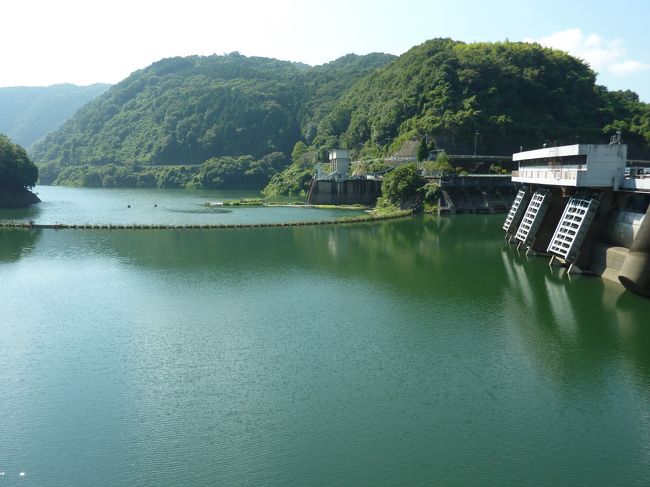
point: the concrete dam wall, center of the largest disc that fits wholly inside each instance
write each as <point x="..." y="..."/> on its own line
<point x="346" y="192"/>
<point x="458" y="194"/>
<point x="475" y="194"/>
<point x="594" y="231"/>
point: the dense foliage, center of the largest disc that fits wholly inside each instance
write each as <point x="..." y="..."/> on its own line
<point x="188" y="110"/>
<point x="401" y="185"/>
<point x="325" y="84"/>
<point x="514" y="94"/>
<point x="242" y="172"/>
<point x="28" y="113"/>
<point x="439" y="165"/>
<point x="235" y="112"/>
<point x="295" y="179"/>
<point x="237" y="172"/>
<point x="17" y="171"/>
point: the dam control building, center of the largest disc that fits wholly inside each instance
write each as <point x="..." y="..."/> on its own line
<point x="587" y="208"/>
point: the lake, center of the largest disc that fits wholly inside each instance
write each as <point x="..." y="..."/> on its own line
<point x="126" y="206"/>
<point x="419" y="351"/>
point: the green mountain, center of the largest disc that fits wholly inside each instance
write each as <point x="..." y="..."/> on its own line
<point x="28" y="113"/>
<point x="325" y="84"/>
<point x="188" y="110"/>
<point x="513" y="94"/>
<point x="240" y="117"/>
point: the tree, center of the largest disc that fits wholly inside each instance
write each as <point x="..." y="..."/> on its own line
<point x="299" y="150"/>
<point x="401" y="184"/>
<point x="17" y="171"/>
<point x="423" y="150"/>
<point x="440" y="165"/>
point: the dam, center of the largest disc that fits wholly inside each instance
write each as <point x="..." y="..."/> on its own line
<point x="333" y="184"/>
<point x="585" y="208"/>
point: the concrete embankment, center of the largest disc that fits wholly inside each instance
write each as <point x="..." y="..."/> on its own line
<point x="347" y="192"/>
<point x="137" y="226"/>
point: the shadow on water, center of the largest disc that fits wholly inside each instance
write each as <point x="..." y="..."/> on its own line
<point x="16" y="244"/>
<point x="23" y="214"/>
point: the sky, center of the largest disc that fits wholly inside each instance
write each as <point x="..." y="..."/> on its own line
<point x="88" y="41"/>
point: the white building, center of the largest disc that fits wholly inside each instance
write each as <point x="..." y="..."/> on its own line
<point x="340" y="161"/>
<point x="580" y="165"/>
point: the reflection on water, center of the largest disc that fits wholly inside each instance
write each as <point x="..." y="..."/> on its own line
<point x="560" y="304"/>
<point x="23" y="214"/>
<point x="18" y="243"/>
<point x="395" y="353"/>
<point x="125" y="206"/>
<point x="582" y="316"/>
<point x="429" y="257"/>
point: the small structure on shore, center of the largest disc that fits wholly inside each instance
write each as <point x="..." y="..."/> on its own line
<point x="332" y="184"/>
<point x="338" y="167"/>
<point x="340" y="161"/>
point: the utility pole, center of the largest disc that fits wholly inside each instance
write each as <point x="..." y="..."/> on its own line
<point x="475" y="140"/>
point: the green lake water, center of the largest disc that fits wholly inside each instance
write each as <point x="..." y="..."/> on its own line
<point x="80" y="206"/>
<point x="420" y="351"/>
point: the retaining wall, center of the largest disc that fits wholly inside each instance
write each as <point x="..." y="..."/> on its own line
<point x="349" y="192"/>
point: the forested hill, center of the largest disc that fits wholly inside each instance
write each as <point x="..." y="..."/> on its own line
<point x="241" y="117"/>
<point x="514" y="94"/>
<point x="28" y="113"/>
<point x="325" y="84"/>
<point x="187" y="110"/>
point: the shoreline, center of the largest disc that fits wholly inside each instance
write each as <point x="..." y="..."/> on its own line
<point x="280" y="204"/>
<point x="17" y="199"/>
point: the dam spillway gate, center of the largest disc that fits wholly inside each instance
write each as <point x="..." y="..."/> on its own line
<point x="581" y="207"/>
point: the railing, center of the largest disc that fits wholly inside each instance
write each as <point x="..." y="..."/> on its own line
<point x="546" y="174"/>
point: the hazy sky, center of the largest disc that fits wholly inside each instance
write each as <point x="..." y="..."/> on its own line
<point x="88" y="41"/>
